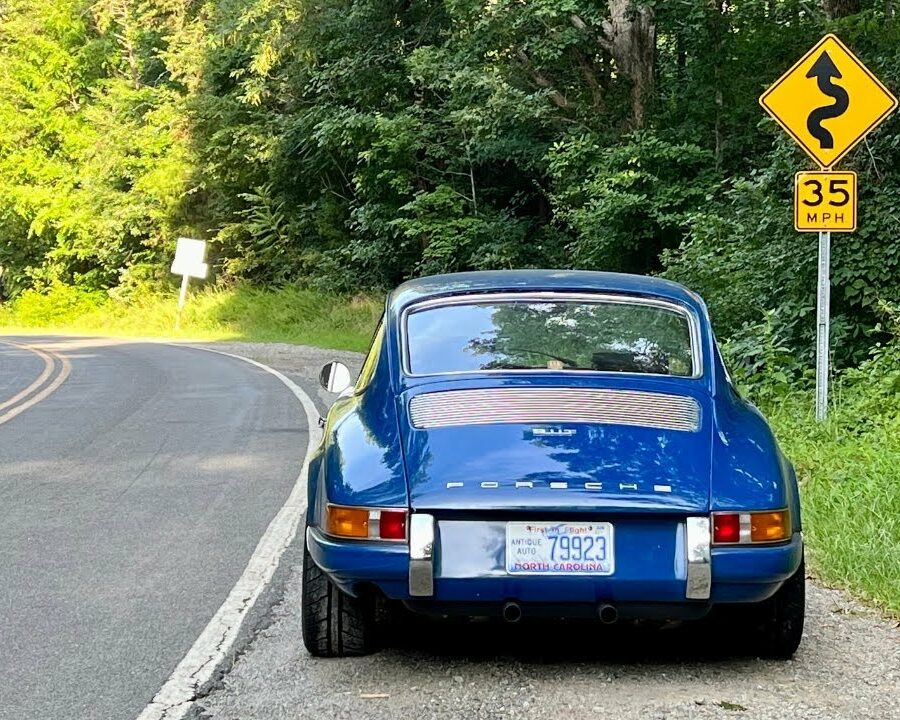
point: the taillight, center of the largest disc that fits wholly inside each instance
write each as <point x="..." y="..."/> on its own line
<point x="726" y="528"/>
<point x="392" y="525"/>
<point x="365" y="523"/>
<point x="752" y="527"/>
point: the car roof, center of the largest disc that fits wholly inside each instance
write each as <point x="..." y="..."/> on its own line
<point x="433" y="286"/>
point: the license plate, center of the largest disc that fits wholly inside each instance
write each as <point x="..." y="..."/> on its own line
<point x="534" y="548"/>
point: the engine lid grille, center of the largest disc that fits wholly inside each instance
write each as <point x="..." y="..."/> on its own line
<point x="534" y="405"/>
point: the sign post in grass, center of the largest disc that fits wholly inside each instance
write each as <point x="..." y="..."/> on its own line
<point x="190" y="261"/>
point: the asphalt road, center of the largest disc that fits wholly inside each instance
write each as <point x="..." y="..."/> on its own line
<point x="136" y="479"/>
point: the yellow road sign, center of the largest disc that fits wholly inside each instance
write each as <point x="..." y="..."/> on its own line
<point x="828" y="101"/>
<point x="825" y="201"/>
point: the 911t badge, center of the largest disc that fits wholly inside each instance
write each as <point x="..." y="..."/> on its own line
<point x="553" y="432"/>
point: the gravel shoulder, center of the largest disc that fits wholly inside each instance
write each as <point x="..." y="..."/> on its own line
<point x="847" y="667"/>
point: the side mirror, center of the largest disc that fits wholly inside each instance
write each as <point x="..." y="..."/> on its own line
<point x="335" y="377"/>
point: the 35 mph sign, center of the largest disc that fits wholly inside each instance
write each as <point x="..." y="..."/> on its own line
<point x="825" y="201"/>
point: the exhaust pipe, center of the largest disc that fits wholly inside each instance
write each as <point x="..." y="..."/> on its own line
<point x="608" y="614"/>
<point x="512" y="613"/>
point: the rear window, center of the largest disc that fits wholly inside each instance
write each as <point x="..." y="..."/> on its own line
<point x="635" y="336"/>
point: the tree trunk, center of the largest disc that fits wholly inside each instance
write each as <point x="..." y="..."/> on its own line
<point x="631" y="32"/>
<point x="840" y="8"/>
<point x="119" y="17"/>
<point x="718" y="8"/>
<point x="542" y="81"/>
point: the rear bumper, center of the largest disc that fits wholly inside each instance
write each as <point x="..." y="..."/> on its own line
<point x="469" y="568"/>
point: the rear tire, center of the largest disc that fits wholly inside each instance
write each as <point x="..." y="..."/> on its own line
<point x="334" y="624"/>
<point x="779" y="620"/>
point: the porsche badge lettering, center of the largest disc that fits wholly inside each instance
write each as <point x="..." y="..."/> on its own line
<point x="555" y="485"/>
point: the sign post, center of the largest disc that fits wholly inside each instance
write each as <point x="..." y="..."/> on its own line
<point x="828" y="102"/>
<point x="824" y="202"/>
<point x="823" y="315"/>
<point x="182" y="298"/>
<point x="190" y="261"/>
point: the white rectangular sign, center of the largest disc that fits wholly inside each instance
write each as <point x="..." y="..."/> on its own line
<point x="190" y="258"/>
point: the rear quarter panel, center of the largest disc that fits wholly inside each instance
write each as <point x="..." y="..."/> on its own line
<point x="749" y="471"/>
<point x="359" y="461"/>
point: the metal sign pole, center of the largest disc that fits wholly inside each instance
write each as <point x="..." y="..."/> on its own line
<point x="823" y="307"/>
<point x="181" y="298"/>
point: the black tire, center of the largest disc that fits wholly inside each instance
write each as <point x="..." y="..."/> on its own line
<point x="779" y="620"/>
<point x="334" y="624"/>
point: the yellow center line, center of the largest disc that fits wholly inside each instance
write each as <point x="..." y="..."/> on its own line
<point x="46" y="391"/>
<point x="48" y="369"/>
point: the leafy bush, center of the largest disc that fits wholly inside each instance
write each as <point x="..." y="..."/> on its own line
<point x="60" y="306"/>
<point x="626" y="204"/>
<point x="760" y="360"/>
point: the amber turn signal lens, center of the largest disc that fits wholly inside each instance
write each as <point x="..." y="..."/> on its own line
<point x="347" y="522"/>
<point x="770" y="526"/>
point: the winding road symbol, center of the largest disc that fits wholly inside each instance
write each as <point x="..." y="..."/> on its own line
<point x="823" y="70"/>
<point x="828" y="101"/>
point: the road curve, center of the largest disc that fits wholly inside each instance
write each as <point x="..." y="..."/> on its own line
<point x="132" y="496"/>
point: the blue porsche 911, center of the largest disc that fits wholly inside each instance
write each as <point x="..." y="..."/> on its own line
<point x="524" y="444"/>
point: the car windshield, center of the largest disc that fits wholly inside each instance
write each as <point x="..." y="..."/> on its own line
<point x="631" y="335"/>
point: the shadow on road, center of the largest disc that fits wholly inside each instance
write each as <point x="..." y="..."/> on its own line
<point x="546" y="642"/>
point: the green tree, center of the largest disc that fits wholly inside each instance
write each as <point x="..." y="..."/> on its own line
<point x="93" y="160"/>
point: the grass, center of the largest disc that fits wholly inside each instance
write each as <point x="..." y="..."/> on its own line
<point x="849" y="475"/>
<point x="243" y="313"/>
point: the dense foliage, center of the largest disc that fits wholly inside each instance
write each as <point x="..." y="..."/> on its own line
<point x="347" y="145"/>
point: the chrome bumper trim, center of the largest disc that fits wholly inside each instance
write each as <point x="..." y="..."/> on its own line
<point x="699" y="569"/>
<point x="421" y="555"/>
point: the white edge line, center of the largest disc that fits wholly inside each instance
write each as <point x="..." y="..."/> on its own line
<point x="214" y="645"/>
